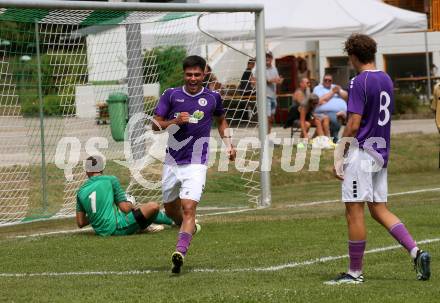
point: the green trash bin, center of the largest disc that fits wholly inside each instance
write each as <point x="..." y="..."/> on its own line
<point x="117" y="108"/>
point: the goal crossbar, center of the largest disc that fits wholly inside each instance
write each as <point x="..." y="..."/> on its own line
<point x="156" y="7"/>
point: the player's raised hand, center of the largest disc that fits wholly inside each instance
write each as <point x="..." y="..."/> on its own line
<point x="182" y="118"/>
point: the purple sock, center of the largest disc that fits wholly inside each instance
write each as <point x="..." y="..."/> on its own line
<point x="401" y="234"/>
<point x="183" y="241"/>
<point x="356" y="252"/>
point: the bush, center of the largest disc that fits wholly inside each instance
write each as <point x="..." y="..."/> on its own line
<point x="164" y="65"/>
<point x="59" y="69"/>
<point x="405" y="103"/>
<point x="29" y="106"/>
<point x="52" y="106"/>
<point x="61" y="73"/>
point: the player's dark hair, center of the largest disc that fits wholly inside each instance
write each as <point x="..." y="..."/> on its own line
<point x="94" y="164"/>
<point x="94" y="161"/>
<point x="194" y="61"/>
<point x="361" y="46"/>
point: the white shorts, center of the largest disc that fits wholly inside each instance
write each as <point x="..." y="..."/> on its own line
<point x="183" y="181"/>
<point x="361" y="184"/>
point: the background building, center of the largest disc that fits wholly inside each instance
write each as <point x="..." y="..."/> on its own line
<point x="402" y="55"/>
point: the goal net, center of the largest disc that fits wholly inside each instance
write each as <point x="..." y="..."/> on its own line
<point x="71" y="79"/>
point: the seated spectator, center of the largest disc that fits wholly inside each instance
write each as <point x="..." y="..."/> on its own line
<point x="332" y="103"/>
<point x="292" y="116"/>
<point x="210" y="81"/>
<point x="302" y="93"/>
<point x="246" y="85"/>
<point x="300" y="96"/>
<point x="308" y="119"/>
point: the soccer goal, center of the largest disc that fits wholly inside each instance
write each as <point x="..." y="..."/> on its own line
<point x="79" y="78"/>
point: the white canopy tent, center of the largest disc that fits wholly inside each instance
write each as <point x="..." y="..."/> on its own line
<point x="317" y="19"/>
<point x="297" y="20"/>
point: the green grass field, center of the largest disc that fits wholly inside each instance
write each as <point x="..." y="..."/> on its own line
<point x="280" y="254"/>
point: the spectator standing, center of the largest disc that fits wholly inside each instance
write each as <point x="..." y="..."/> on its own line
<point x="272" y="79"/>
<point x="210" y="80"/>
<point x="302" y="71"/>
<point x="245" y="82"/>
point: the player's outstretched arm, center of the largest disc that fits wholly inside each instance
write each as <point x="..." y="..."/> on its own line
<point x="223" y="130"/>
<point x="81" y="219"/>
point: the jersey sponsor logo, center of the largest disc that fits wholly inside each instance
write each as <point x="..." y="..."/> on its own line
<point x="203" y="102"/>
<point x="180" y="100"/>
<point x="196" y="116"/>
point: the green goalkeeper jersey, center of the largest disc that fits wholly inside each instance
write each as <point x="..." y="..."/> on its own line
<point x="99" y="197"/>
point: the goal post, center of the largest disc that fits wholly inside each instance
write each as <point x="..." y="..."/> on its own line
<point x="62" y="62"/>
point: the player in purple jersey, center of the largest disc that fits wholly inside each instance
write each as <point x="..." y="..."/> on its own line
<point x="187" y="113"/>
<point x="364" y="173"/>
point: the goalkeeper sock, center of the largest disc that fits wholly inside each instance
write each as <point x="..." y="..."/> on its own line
<point x="162" y="218"/>
<point x="183" y="241"/>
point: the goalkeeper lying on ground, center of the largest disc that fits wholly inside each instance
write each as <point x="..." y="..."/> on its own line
<point x="102" y="202"/>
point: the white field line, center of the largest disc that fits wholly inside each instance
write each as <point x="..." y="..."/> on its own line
<point x="207" y="208"/>
<point x="70" y="231"/>
<point x="210" y="270"/>
<point x="414" y="191"/>
<point x="317" y="202"/>
<point x="331" y="258"/>
<point x="77" y="273"/>
<point x="390" y="195"/>
<point x="230" y="212"/>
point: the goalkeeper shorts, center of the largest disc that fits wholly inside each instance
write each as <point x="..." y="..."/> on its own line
<point x="126" y="224"/>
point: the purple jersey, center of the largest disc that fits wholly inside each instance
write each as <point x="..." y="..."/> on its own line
<point x="189" y="144"/>
<point x="371" y="96"/>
